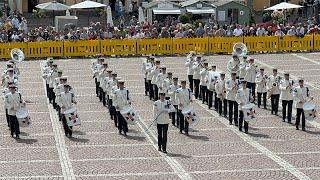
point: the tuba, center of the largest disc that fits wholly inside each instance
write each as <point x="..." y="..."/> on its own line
<point x="240" y="49"/>
<point x="17" y="55"/>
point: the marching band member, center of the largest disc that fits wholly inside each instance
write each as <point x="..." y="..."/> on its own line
<point x="250" y="77"/>
<point x="203" y="83"/>
<point x="233" y="65"/>
<point x="66" y="100"/>
<point x="221" y="91"/>
<point x="58" y="90"/>
<point x="242" y="68"/>
<point x="232" y="86"/>
<point x="111" y="83"/>
<point x="161" y="109"/>
<point x="9" y="77"/>
<point x="184" y="96"/>
<point x="121" y="99"/>
<point x="273" y="83"/>
<point x="46" y="72"/>
<point x="261" y="81"/>
<point x="189" y="65"/>
<point x="160" y="80"/>
<point x="211" y="82"/>
<point x="52" y="76"/>
<point x="96" y="69"/>
<point x="174" y="101"/>
<point x="146" y="64"/>
<point x="103" y="84"/>
<point x="5" y="91"/>
<point x="301" y="95"/>
<point x="13" y="102"/>
<point x="155" y="72"/>
<point x="168" y="81"/>
<point x="101" y="77"/>
<point x="286" y="96"/>
<point x="149" y="77"/>
<point x="243" y="97"/>
<point x="196" y="76"/>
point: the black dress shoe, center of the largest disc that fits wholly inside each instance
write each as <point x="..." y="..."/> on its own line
<point x="297" y="128"/>
<point x="159" y="149"/>
<point x="303" y="129"/>
<point x="17" y="136"/>
<point x="165" y="152"/>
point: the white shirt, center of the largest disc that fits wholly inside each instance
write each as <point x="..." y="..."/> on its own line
<point x="184" y="97"/>
<point x="211" y="81"/>
<point x="300" y="95"/>
<point x="243" y="97"/>
<point x="189" y="65"/>
<point x="172" y="94"/>
<point x="286" y="91"/>
<point x="274" y="80"/>
<point x="155" y="72"/>
<point x="261" y="81"/>
<point x="251" y="73"/>
<point x="161" y="111"/>
<point x="231" y="91"/>
<point x="203" y="78"/>
<point x="233" y="66"/>
<point x="237" y="32"/>
<point x="13" y="102"/>
<point x="160" y="82"/>
<point x="242" y="69"/>
<point x="220" y="88"/>
<point x="66" y="100"/>
<point x="196" y="70"/>
<point x="121" y="98"/>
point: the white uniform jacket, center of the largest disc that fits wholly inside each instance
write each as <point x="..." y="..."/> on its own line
<point x="121" y="98"/>
<point x="251" y="73"/>
<point x="300" y="95"/>
<point x="243" y="97"/>
<point x="196" y="70"/>
<point x="13" y="102"/>
<point x="233" y="66"/>
<point x="172" y="94"/>
<point x="189" y="65"/>
<point x="274" y="80"/>
<point x="66" y="100"/>
<point x="231" y="91"/>
<point x="184" y="97"/>
<point x="261" y="81"/>
<point x="286" y="91"/>
<point x="242" y="69"/>
<point x="155" y="72"/>
<point x="203" y="78"/>
<point x="161" y="111"/>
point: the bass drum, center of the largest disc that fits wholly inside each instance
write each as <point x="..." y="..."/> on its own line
<point x="190" y="115"/>
<point x="23" y="117"/>
<point x="310" y="111"/>
<point x="72" y="117"/>
<point x="249" y="112"/>
<point x="129" y="114"/>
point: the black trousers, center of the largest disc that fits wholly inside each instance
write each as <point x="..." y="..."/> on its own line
<point x="196" y="88"/>
<point x="252" y="87"/>
<point x="275" y="103"/>
<point x="8" y="118"/>
<point x="52" y="98"/>
<point x="264" y="95"/>
<point x="286" y="103"/>
<point x="100" y="94"/>
<point x="162" y="136"/>
<point x="204" y="94"/>
<point x="241" y="122"/>
<point x="151" y="93"/>
<point x="225" y="102"/>
<point x="300" y="115"/>
<point x="184" y="125"/>
<point x="97" y="86"/>
<point x="215" y="101"/>
<point x="104" y="101"/>
<point x="146" y="87"/>
<point x="173" y="115"/>
<point x="51" y="94"/>
<point x="123" y="125"/>
<point x="156" y="92"/>
<point x="209" y="98"/>
<point x="47" y="89"/>
<point x="233" y="111"/>
<point x="67" y="129"/>
<point x="14" y="125"/>
<point x="59" y="114"/>
<point x="190" y="78"/>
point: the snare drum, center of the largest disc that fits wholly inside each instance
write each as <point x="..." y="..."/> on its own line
<point x="23" y="117"/>
<point x="249" y="112"/>
<point x="72" y="117"/>
<point x="129" y="114"/>
<point x="190" y="115"/>
<point x="309" y="109"/>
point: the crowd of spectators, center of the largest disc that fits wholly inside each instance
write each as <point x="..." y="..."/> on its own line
<point x="14" y="28"/>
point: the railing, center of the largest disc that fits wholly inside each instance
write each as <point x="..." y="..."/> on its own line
<point x="160" y="46"/>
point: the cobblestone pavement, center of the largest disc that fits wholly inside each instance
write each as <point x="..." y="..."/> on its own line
<point x="213" y="150"/>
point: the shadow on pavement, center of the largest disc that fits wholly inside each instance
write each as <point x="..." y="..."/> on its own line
<point x="178" y="155"/>
<point x="27" y="141"/>
<point x="203" y="138"/>
<point x="24" y="134"/>
<point x="79" y="140"/>
<point x="258" y="135"/>
<point x="79" y="133"/>
<point x="136" y="138"/>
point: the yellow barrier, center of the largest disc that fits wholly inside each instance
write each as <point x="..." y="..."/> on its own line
<point x="223" y="44"/>
<point x="159" y="46"/>
<point x="154" y="46"/>
<point x="288" y="43"/>
<point x="185" y="45"/>
<point x="266" y="43"/>
<point x="45" y="49"/>
<point x="118" y="47"/>
<point x="5" y="49"/>
<point x="81" y="48"/>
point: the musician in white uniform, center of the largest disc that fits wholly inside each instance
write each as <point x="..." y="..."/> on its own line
<point x="111" y="83"/>
<point x="203" y="83"/>
<point x="221" y="93"/>
<point x="168" y="81"/>
<point x="13" y="102"/>
<point x="155" y="72"/>
<point x="104" y="84"/>
<point x="52" y="76"/>
<point x="102" y="74"/>
<point x="174" y="101"/>
<point x="184" y="96"/>
<point x="273" y="84"/>
<point x="161" y="109"/>
<point x="251" y="77"/>
<point x="189" y="65"/>
<point x="146" y="64"/>
<point x="211" y="82"/>
<point x="149" y="77"/>
<point x="46" y="71"/>
<point x="243" y="97"/>
<point x="242" y="68"/>
<point x="121" y="99"/>
<point x="96" y="69"/>
<point x="5" y="91"/>
<point x="160" y="80"/>
<point x="301" y="95"/>
<point x="66" y="100"/>
<point x="9" y="77"/>
<point x="286" y="88"/>
<point x="232" y="86"/>
<point x="196" y="76"/>
<point x="261" y="81"/>
<point x="233" y="65"/>
<point x="58" y="90"/>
